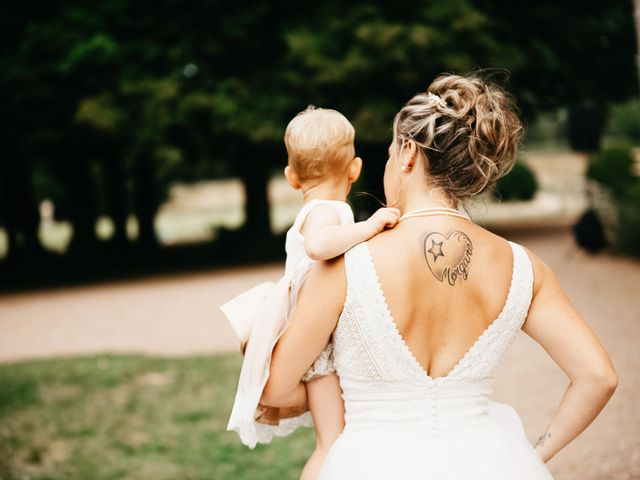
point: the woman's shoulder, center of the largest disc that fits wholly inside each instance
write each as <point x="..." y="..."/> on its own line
<point x="475" y="234"/>
<point x="499" y="245"/>
<point x="541" y="271"/>
<point x="442" y="244"/>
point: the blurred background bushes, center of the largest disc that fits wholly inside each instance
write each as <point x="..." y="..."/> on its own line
<point x="617" y="171"/>
<point x="614" y="169"/>
<point x="519" y="184"/>
<point x="624" y="123"/>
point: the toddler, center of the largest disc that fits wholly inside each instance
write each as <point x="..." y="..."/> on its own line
<point x="321" y="164"/>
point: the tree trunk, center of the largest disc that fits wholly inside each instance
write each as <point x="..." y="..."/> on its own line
<point x="116" y="196"/>
<point x="255" y="164"/>
<point x="21" y="214"/>
<point x="586" y="126"/>
<point x="374" y="159"/>
<point x="636" y="14"/>
<point x="146" y="199"/>
<point x="80" y="188"/>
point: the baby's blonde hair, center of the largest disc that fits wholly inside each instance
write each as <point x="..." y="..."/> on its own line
<point x="319" y="143"/>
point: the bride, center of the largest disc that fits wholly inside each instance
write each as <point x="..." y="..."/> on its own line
<point x="423" y="314"/>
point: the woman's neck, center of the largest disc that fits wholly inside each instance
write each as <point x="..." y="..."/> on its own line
<point x="428" y="199"/>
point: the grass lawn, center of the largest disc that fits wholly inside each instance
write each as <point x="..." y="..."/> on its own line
<point x="133" y="417"/>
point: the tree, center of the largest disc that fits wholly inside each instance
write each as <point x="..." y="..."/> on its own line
<point x="636" y="14"/>
<point x="148" y="93"/>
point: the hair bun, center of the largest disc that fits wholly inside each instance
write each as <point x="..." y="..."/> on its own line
<point x="469" y="138"/>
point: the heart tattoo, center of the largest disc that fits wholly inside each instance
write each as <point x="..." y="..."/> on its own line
<point x="448" y="257"/>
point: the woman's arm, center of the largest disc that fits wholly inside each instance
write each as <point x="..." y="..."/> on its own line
<point x="314" y="318"/>
<point x="555" y="324"/>
<point x="325" y="238"/>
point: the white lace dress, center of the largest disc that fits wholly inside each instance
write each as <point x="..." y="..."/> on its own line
<point x="299" y="263"/>
<point x="403" y="424"/>
<point x="259" y="316"/>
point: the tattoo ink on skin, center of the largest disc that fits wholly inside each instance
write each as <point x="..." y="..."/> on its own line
<point x="448" y="256"/>
<point x="542" y="438"/>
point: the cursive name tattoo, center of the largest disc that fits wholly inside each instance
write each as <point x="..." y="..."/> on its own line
<point x="448" y="256"/>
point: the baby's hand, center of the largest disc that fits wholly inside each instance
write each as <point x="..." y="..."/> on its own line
<point x="384" y="218"/>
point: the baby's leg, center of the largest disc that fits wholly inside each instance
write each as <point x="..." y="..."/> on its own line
<point x="327" y="409"/>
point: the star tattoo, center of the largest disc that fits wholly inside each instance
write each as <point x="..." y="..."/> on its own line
<point x="436" y="249"/>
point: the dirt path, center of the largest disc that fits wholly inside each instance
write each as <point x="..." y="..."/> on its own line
<point x="178" y="315"/>
<point x="606" y="290"/>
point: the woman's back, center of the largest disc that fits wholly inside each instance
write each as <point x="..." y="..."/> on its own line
<point x="416" y="358"/>
<point x="445" y="280"/>
<point x="405" y="418"/>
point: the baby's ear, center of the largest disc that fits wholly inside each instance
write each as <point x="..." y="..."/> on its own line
<point x="292" y="177"/>
<point x="355" y="167"/>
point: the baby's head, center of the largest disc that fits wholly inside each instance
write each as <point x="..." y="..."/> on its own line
<point x="320" y="147"/>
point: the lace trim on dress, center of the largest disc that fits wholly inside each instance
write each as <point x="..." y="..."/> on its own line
<point x="323" y="365"/>
<point x="368" y="312"/>
<point x="497" y="333"/>
<point x="351" y="349"/>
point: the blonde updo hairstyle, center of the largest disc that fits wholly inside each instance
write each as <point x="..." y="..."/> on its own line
<point x="468" y="130"/>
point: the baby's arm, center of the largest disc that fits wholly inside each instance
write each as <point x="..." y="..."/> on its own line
<point x="325" y="238"/>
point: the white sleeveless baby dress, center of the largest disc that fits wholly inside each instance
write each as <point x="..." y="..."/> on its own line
<point x="400" y="423"/>
<point x="258" y="317"/>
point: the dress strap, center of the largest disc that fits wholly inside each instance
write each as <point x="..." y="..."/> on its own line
<point x="343" y="209"/>
<point x="523" y="282"/>
<point x="355" y="263"/>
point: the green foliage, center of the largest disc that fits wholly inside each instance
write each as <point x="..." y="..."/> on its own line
<point x="133" y="417"/>
<point x="256" y="65"/>
<point x="627" y="231"/>
<point x="613" y="168"/>
<point x="519" y="184"/>
<point x="624" y="123"/>
<point x="152" y="93"/>
<point x="16" y="392"/>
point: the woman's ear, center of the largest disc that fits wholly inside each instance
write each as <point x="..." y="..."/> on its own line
<point x="292" y="177"/>
<point x="409" y="156"/>
<point x="355" y="167"/>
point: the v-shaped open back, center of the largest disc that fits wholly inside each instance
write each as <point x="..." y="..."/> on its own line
<point x="381" y="337"/>
<point x="402" y="423"/>
<point x="402" y="341"/>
